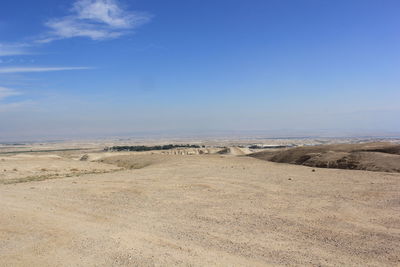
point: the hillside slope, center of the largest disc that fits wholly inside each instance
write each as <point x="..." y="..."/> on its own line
<point x="370" y="156"/>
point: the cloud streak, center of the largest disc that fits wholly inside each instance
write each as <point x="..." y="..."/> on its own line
<point x="39" y="69"/>
<point x="13" y="49"/>
<point x="6" y="106"/>
<point x="7" y="92"/>
<point x="95" y="19"/>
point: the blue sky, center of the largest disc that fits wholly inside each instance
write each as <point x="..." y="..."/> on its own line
<point x="72" y="68"/>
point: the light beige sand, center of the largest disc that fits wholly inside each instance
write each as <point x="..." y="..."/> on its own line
<point x="201" y="210"/>
<point x="22" y="168"/>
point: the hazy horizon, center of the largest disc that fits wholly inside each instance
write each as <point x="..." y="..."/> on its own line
<point x="209" y="135"/>
<point x="81" y="68"/>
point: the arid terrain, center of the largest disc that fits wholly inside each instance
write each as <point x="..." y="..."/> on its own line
<point x="383" y="157"/>
<point x="212" y="206"/>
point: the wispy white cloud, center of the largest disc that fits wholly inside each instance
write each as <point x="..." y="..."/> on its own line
<point x="13" y="49"/>
<point x="8" y="105"/>
<point x="106" y="11"/>
<point x="7" y="92"/>
<point x="39" y="69"/>
<point x="95" y="19"/>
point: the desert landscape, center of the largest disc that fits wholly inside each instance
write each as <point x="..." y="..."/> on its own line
<point x="199" y="133"/>
<point x="215" y="203"/>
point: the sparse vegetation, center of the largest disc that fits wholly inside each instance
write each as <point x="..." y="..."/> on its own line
<point x="148" y="148"/>
<point x="133" y="162"/>
<point x="37" y="178"/>
<point x="270" y="147"/>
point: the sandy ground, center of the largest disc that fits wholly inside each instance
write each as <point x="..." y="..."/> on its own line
<point x="200" y="210"/>
<point x="24" y="168"/>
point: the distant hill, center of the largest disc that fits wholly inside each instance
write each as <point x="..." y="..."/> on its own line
<point x="237" y="151"/>
<point x="383" y="157"/>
